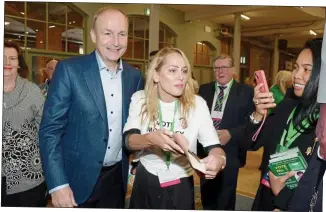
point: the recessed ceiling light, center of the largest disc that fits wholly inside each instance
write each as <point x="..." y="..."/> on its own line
<point x="41" y="41"/>
<point x="311" y="32"/>
<point x="70" y="22"/>
<point x="22" y="13"/>
<point x="27" y="33"/>
<point x="36" y="30"/>
<point x="73" y="21"/>
<point x="245" y="17"/>
<point x="52" y="26"/>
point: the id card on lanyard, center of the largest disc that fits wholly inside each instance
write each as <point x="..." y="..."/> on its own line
<point x="167" y="177"/>
<point x="218" y="115"/>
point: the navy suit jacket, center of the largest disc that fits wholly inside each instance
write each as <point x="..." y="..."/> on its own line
<point x="74" y="128"/>
<point x="238" y="107"/>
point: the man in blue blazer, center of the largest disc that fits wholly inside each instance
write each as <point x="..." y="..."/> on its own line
<point x="84" y="114"/>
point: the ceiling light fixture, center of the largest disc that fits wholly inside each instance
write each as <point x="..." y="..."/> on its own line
<point x="22" y="13"/>
<point x="311" y="32"/>
<point x="245" y="17"/>
<point x="36" y="30"/>
<point x="73" y="22"/>
<point x="52" y="26"/>
<point x="69" y="22"/>
<point x="7" y="23"/>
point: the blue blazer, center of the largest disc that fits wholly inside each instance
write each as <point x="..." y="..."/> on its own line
<point x="74" y="129"/>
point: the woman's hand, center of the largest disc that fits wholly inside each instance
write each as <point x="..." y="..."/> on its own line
<point x="278" y="183"/>
<point x="263" y="101"/>
<point x="181" y="140"/>
<point x="214" y="163"/>
<point x="163" y="139"/>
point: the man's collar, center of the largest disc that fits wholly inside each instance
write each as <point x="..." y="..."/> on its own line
<point x="102" y="65"/>
<point x="227" y="85"/>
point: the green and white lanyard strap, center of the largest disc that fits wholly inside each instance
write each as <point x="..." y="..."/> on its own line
<point x="168" y="154"/>
<point x="290" y="133"/>
<point x="225" y="96"/>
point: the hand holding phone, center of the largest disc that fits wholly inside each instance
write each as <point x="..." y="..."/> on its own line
<point x="261" y="78"/>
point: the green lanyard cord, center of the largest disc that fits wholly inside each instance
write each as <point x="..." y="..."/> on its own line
<point x="226" y="96"/>
<point x="167" y="154"/>
<point x="290" y="133"/>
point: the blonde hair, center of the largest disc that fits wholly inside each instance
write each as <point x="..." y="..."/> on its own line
<point x="224" y="56"/>
<point x="104" y="9"/>
<point x="187" y="99"/>
<point x="281" y="79"/>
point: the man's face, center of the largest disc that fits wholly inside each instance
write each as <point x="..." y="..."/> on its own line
<point x="50" y="67"/>
<point x="223" y="70"/>
<point x="110" y="35"/>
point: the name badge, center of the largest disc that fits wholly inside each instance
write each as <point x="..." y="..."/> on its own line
<point x="265" y="180"/>
<point x="168" y="178"/>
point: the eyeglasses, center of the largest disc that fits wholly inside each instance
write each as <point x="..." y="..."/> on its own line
<point x="222" y="68"/>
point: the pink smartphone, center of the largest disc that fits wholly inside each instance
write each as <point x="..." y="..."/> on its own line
<point x="261" y="78"/>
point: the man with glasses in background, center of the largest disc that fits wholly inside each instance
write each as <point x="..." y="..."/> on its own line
<point x="231" y="104"/>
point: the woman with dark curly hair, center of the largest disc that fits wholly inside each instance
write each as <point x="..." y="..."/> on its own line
<point x="22" y="109"/>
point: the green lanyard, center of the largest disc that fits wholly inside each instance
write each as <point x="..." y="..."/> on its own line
<point x="168" y="154"/>
<point x="290" y="133"/>
<point x="226" y="96"/>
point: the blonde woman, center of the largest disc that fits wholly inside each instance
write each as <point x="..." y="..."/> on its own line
<point x="283" y="82"/>
<point x="164" y="117"/>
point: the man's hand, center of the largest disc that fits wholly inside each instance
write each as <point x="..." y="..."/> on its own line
<point x="63" y="198"/>
<point x="224" y="136"/>
<point x="214" y="163"/>
<point x="278" y="183"/>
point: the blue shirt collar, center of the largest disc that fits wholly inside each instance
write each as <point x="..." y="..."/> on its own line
<point x="102" y="65"/>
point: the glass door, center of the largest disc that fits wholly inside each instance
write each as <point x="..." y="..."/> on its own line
<point x="36" y="62"/>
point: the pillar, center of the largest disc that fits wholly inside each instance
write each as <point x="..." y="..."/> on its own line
<point x="154" y="27"/>
<point x="276" y="59"/>
<point x="237" y="44"/>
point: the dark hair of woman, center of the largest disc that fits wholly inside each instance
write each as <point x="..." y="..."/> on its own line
<point x="308" y="106"/>
<point x="23" y="68"/>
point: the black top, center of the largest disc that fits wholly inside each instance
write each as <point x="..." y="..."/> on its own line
<point x="268" y="138"/>
<point x="311" y="181"/>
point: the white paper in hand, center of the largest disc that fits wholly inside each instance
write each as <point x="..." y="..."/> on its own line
<point x="195" y="162"/>
<point x="192" y="157"/>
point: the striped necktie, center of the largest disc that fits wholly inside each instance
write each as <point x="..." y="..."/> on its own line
<point x="219" y="99"/>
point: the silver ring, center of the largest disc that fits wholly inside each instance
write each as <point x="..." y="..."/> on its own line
<point x="256" y="102"/>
